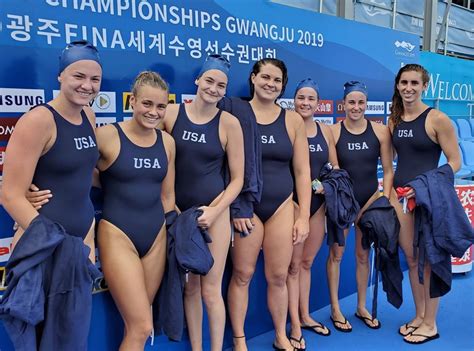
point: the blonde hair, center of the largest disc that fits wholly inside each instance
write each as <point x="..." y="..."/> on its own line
<point x="149" y="78"/>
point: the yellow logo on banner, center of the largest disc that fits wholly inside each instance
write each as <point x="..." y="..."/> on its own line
<point x="126" y="102"/>
<point x="128" y="108"/>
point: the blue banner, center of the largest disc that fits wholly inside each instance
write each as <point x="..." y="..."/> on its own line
<point x="173" y="38"/>
<point x="451" y="87"/>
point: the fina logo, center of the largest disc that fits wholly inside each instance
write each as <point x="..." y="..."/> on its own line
<point x="287" y="104"/>
<point x="405" y="45"/>
<point x="374" y="10"/>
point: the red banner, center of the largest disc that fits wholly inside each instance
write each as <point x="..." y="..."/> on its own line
<point x="466" y="196"/>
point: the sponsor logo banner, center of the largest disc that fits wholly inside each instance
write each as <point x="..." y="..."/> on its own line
<point x="102" y="121"/>
<point x="375" y="108"/>
<point x="325" y="107"/>
<point x="340" y="107"/>
<point x="404" y="48"/>
<point x="187" y="98"/>
<point x="378" y="119"/>
<point x="171" y="98"/>
<point x="7" y="125"/>
<point x="287" y="104"/>
<point x="466" y="196"/>
<point x="20" y="100"/>
<point x="126" y="102"/>
<point x="2" y="157"/>
<point x="5" y="249"/>
<point x="389" y="107"/>
<point x="324" y="120"/>
<point x="104" y="102"/>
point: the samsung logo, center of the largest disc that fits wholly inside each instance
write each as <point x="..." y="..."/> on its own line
<point x="20" y="100"/>
<point x="375" y="108"/>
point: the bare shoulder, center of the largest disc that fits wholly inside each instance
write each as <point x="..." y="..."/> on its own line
<point x="439" y="119"/>
<point x="167" y="138"/>
<point x="324" y="128"/>
<point x="39" y="119"/>
<point x="379" y="127"/>
<point x="172" y="110"/>
<point x="229" y="120"/>
<point x="106" y="132"/>
<point x="90" y="115"/>
<point x="294" y="119"/>
<point x="335" y="128"/>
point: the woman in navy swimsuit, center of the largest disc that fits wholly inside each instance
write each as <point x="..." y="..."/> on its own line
<point x="419" y="135"/>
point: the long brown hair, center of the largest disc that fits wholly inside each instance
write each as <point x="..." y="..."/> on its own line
<point x="397" y="110"/>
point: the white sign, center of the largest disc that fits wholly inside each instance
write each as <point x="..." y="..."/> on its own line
<point x="20" y="100"/>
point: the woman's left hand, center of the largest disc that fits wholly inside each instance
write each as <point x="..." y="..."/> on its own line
<point x="300" y="230"/>
<point x="209" y="215"/>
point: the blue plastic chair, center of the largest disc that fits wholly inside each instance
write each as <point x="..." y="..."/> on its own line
<point x="467" y="148"/>
<point x="464" y="171"/>
<point x="464" y="129"/>
<point x="471" y="122"/>
<point x="456" y="129"/>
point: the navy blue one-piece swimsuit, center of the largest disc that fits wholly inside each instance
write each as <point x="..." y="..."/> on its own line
<point x="200" y="160"/>
<point x="318" y="157"/>
<point x="417" y="153"/>
<point x="132" y="190"/>
<point x="66" y="169"/>
<point x="359" y="154"/>
<point x="277" y="153"/>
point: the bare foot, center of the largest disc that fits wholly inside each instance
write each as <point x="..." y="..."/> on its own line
<point x="239" y="343"/>
<point x="340" y="322"/>
<point x="409" y="327"/>
<point x="366" y="317"/>
<point x="422" y="334"/>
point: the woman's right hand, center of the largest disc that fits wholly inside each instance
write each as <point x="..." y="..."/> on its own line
<point x="38" y="197"/>
<point x="243" y="225"/>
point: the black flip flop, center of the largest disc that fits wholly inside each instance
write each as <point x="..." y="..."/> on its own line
<point x="314" y="330"/>
<point x="406" y="327"/>
<point x="298" y="341"/>
<point x="427" y="338"/>
<point x="342" y="330"/>
<point x="280" y="349"/>
<point x="366" y="321"/>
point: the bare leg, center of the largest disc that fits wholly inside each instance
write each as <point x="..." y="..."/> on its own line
<point x="406" y="243"/>
<point x="428" y="326"/>
<point x="193" y="310"/>
<point x="362" y="277"/>
<point x="333" y="271"/>
<point x="211" y="284"/>
<point x="299" y="278"/>
<point x="277" y="249"/>
<point x="311" y="249"/>
<point x="126" y="278"/>
<point x="244" y="258"/>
